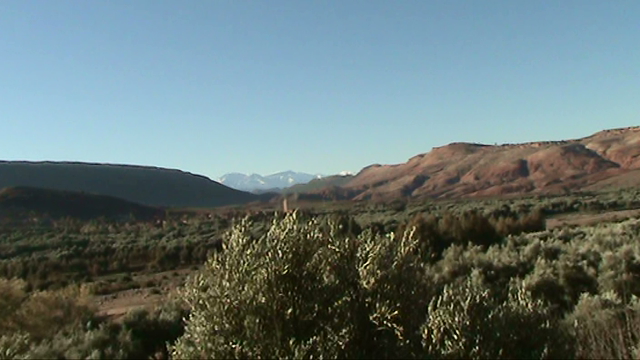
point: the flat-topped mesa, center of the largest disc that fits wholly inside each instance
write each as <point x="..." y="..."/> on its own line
<point x="617" y="131"/>
<point x="465" y="169"/>
<point x="474" y="146"/>
<point x="460" y="144"/>
<point x="628" y="128"/>
<point x="535" y="144"/>
<point x="456" y="149"/>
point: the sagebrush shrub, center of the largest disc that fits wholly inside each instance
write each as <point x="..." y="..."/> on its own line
<point x="469" y="320"/>
<point x="310" y="290"/>
<point x="606" y="327"/>
<point x="303" y="292"/>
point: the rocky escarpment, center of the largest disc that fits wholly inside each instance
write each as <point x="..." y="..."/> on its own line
<point x="471" y="169"/>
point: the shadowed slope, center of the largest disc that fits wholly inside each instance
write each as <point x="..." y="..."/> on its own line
<point x="145" y="185"/>
<point x="22" y="203"/>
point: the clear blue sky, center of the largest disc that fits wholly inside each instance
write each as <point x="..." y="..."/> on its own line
<point x="217" y="86"/>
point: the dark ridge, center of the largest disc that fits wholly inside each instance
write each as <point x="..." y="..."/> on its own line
<point x="24" y="203"/>
<point x="146" y="185"/>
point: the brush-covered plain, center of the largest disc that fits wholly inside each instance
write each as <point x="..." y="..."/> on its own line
<point x="444" y="279"/>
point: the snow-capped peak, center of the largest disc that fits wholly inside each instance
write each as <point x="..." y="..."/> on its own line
<point x="254" y="182"/>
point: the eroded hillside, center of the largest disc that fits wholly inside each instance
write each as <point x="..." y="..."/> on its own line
<point x="605" y="159"/>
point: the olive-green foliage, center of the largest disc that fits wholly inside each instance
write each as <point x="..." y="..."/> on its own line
<point x="605" y="327"/>
<point x="336" y="283"/>
<point x="106" y="341"/>
<point x="51" y="255"/>
<point x="14" y="346"/>
<point x="140" y="335"/>
<point x="51" y="258"/>
<point x="515" y="224"/>
<point x="151" y="331"/>
<point x="31" y="319"/>
<point x="60" y="324"/>
<point x="43" y="312"/>
<point x="300" y="292"/>
<point x="12" y="295"/>
<point x="469" y="320"/>
<point x="436" y="234"/>
<point x="308" y="290"/>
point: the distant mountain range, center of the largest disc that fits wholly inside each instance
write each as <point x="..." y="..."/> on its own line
<point x="259" y="183"/>
<point x="609" y="159"/>
<point x="143" y="185"/>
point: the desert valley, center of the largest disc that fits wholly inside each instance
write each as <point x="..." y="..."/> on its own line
<point x="535" y="237"/>
<point x="319" y="179"/>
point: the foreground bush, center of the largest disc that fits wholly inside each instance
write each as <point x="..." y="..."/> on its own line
<point x="606" y="328"/>
<point x="299" y="292"/>
<point x="306" y="290"/>
<point x="468" y="320"/>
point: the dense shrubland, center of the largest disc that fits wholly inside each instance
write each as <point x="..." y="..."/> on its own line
<point x="76" y="252"/>
<point x="54" y="254"/>
<point x="307" y="289"/>
<point x="469" y="280"/>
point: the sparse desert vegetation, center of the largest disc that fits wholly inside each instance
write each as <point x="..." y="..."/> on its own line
<point x="441" y="279"/>
<point x="319" y="180"/>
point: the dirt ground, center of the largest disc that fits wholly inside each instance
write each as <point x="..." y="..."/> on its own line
<point x="122" y="302"/>
<point x="118" y="304"/>
<point x="591" y="219"/>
